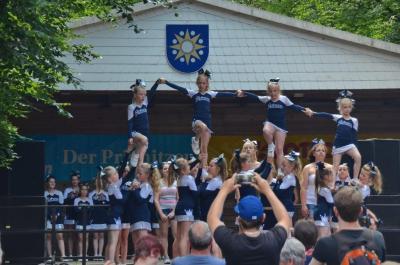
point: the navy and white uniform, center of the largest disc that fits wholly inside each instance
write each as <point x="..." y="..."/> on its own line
<point x="153" y="212"/>
<point x="323" y="213"/>
<point x="201" y="102"/>
<point x="188" y="194"/>
<point x="208" y="191"/>
<point x="138" y="206"/>
<point x="99" y="214"/>
<point x="116" y="205"/>
<point x="54" y="198"/>
<point x="284" y="190"/>
<point x="276" y="110"/>
<point x="70" y="194"/>
<point x="79" y="204"/>
<point x="346" y="132"/>
<point x="138" y="120"/>
<point x="125" y="191"/>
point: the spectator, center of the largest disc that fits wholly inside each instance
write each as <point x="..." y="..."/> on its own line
<point x="250" y="245"/>
<point x="148" y="250"/>
<point x="307" y="233"/>
<point x="293" y="253"/>
<point x="348" y="206"/>
<point x="200" y="240"/>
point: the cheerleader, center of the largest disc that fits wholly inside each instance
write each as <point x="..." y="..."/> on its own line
<point x="308" y="194"/>
<point x="165" y="201"/>
<point x="285" y="187"/>
<point x="70" y="194"/>
<point x="79" y="206"/>
<point x="342" y="179"/>
<point x="323" y="212"/>
<point x="138" y="203"/>
<point x="115" y="211"/>
<point x="250" y="147"/>
<point x="346" y="132"/>
<point x="201" y="122"/>
<point x="99" y="216"/>
<point x="54" y="197"/>
<point x="370" y="180"/>
<point x="240" y="164"/>
<point x="138" y="120"/>
<point x="154" y="182"/>
<point x="208" y="190"/>
<point x="275" y="129"/>
<point x="185" y="207"/>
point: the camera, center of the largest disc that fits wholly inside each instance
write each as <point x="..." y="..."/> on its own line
<point x="245" y="177"/>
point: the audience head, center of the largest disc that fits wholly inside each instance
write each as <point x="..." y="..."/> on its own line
<point x="148" y="250"/>
<point x="200" y="236"/>
<point x="250" y="211"/>
<point x="306" y="232"/>
<point x="292" y="253"/>
<point x="348" y="203"/>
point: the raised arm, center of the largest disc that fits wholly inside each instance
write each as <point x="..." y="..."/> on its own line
<point x="256" y="98"/>
<point x="174" y="86"/>
<point x="152" y="92"/>
<point x="324" y="115"/>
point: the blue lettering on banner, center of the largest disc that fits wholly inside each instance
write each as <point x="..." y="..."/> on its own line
<point x="64" y="153"/>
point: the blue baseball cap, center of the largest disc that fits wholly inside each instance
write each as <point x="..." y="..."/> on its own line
<point x="250" y="208"/>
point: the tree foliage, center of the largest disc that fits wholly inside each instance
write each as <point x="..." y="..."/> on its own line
<point x="34" y="38"/>
<point x="378" y="19"/>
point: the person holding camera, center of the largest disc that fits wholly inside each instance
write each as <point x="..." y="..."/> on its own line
<point x="250" y="245"/>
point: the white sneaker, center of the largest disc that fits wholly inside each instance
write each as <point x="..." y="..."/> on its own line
<point x="167" y="261"/>
<point x="195" y="146"/>
<point x="271" y="150"/>
<point x="280" y="173"/>
<point x="134" y="159"/>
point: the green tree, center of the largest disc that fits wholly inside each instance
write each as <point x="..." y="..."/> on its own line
<point x="34" y="38"/>
<point x="378" y="19"/>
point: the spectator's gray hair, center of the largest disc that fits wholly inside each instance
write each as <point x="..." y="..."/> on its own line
<point x="200" y="236"/>
<point x="293" y="250"/>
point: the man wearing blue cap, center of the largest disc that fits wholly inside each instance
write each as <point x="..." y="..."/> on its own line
<point x="251" y="246"/>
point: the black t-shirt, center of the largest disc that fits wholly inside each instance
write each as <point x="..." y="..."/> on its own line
<point x="326" y="249"/>
<point x="244" y="250"/>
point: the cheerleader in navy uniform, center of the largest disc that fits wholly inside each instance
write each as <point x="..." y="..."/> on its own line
<point x="138" y="120"/>
<point x="250" y="147"/>
<point x="346" y="132"/>
<point x="275" y="129"/>
<point x="323" y="213"/>
<point x="54" y="197"/>
<point x="115" y="211"/>
<point x="186" y="205"/>
<point x="70" y="194"/>
<point x="208" y="190"/>
<point x="154" y="180"/>
<point x="138" y="203"/>
<point x="370" y="183"/>
<point x="342" y="180"/>
<point x="201" y="122"/>
<point x="99" y="216"/>
<point x="285" y="188"/>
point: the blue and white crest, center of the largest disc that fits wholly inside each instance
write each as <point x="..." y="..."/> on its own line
<point x="187" y="47"/>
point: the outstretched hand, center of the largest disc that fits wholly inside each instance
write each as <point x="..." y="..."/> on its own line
<point x="240" y="93"/>
<point x="161" y="80"/>
<point x="308" y="112"/>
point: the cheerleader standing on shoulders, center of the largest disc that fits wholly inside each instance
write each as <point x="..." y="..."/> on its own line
<point x="138" y="120"/>
<point x="201" y="122"/>
<point x="99" y="216"/>
<point x="275" y="130"/>
<point x="323" y="213"/>
<point x="54" y="197"/>
<point x="70" y="194"/>
<point x="165" y="201"/>
<point x="186" y="205"/>
<point x="115" y="211"/>
<point x="346" y="132"/>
